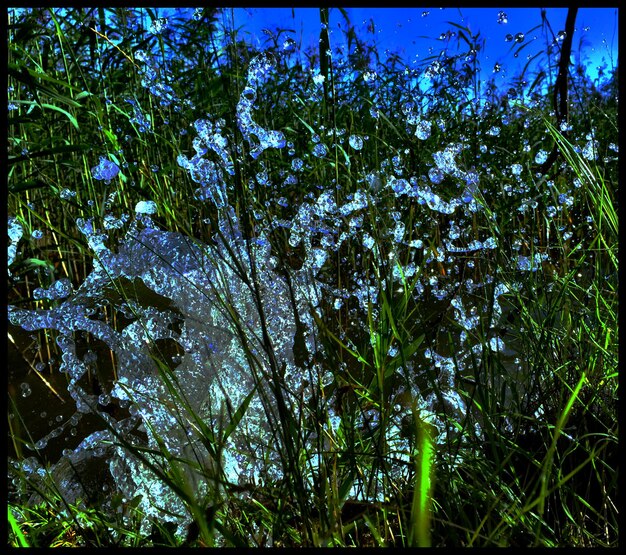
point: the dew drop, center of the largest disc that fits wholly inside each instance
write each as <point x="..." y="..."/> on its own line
<point x="320" y="150"/>
<point x="496" y="344"/>
<point x="590" y="151"/>
<point x="356" y="142"/>
<point x="422" y="131"/>
<point x="105" y="170"/>
<point x="541" y="157"/>
<point x="435" y="175"/>
<point x="146" y="207"/>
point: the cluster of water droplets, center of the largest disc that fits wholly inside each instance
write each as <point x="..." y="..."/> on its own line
<point x="106" y="170"/>
<point x="258" y="137"/>
<point x="219" y="296"/>
<point x="214" y="370"/>
<point x="156" y="79"/>
<point x="141" y="120"/>
<point x="209" y="174"/>
<point x="15" y="232"/>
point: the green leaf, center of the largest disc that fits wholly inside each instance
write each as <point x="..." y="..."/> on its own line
<point x="82" y="95"/>
<point x="238" y="415"/>
<point x="31" y="78"/>
<point x="47" y="152"/>
<point x="346" y="485"/>
<point x="27" y="186"/>
<point x="43" y="105"/>
<point x="321" y="325"/>
<point x="69" y="116"/>
<point x="37" y="263"/>
<point x="15" y="527"/>
<point x="113" y="138"/>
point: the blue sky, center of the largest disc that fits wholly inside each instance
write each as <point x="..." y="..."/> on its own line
<point x="405" y="30"/>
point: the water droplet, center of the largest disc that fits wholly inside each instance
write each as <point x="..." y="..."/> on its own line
<point x="541" y="157"/>
<point x="289" y="45"/>
<point x="320" y="150"/>
<point x="496" y="344"/>
<point x="356" y="142"/>
<point x="502" y="18"/>
<point x="369" y="76"/>
<point x="435" y="175"/>
<point x="105" y="170"/>
<point x="297" y="164"/>
<point x="67" y="194"/>
<point x="58" y="290"/>
<point x="398" y="232"/>
<point x="157" y="26"/>
<point x="15" y="230"/>
<point x="590" y="150"/>
<point x="26" y="390"/>
<point x="422" y="131"/>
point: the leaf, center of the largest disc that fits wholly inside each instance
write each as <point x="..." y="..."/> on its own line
<point x="345" y="155"/>
<point x="31" y="78"/>
<point x="113" y="138"/>
<point x="27" y="186"/>
<point x="346" y="485"/>
<point x="321" y="325"/>
<point x="238" y="415"/>
<point x="37" y="263"/>
<point x="405" y="354"/>
<point x="47" y="152"/>
<point x="82" y="95"/>
<point x="33" y="104"/>
<point x="69" y="116"/>
<point x="15" y="527"/>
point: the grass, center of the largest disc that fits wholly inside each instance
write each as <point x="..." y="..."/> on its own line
<point x="391" y="415"/>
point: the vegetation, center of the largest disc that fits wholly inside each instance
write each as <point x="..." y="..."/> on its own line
<point x="449" y="375"/>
